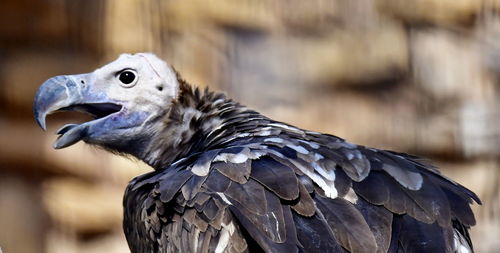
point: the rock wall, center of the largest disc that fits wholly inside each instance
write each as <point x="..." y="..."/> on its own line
<point x="419" y="76"/>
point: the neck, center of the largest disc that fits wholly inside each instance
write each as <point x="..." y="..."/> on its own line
<point x="195" y="122"/>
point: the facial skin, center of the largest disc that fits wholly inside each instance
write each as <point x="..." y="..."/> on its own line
<point x="126" y="97"/>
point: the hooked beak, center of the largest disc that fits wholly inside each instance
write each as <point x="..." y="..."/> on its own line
<point x="71" y="93"/>
<point x="50" y="97"/>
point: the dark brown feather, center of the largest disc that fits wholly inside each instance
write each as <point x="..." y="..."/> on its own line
<point x="305" y="205"/>
<point x="250" y="195"/>
<point x="216" y="182"/>
<point x="379" y="220"/>
<point x="315" y="235"/>
<point x="275" y="176"/>
<point x="238" y="172"/>
<point x="169" y="188"/>
<point x="348" y="224"/>
<point x="373" y="189"/>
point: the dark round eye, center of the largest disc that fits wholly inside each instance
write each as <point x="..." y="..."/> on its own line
<point x="127" y="77"/>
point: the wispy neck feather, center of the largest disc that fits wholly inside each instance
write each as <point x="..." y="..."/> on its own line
<point x="197" y="121"/>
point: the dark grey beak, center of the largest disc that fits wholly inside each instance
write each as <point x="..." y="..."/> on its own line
<point x="71" y="93"/>
<point x="54" y="94"/>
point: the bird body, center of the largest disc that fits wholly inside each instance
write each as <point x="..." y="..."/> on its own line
<point x="228" y="179"/>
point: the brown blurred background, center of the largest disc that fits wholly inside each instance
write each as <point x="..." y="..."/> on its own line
<point x="419" y="76"/>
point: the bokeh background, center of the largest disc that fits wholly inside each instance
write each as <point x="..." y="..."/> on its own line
<point x="419" y="76"/>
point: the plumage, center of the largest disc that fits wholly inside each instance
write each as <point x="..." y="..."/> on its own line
<point x="237" y="172"/>
<point x="347" y="222"/>
<point x="373" y="189"/>
<point x="416" y="236"/>
<point x="250" y="196"/>
<point x="315" y="235"/>
<point x="168" y="188"/>
<point x="379" y="219"/>
<point x="228" y="179"/>
<point x="266" y="170"/>
<point x="304" y="205"/>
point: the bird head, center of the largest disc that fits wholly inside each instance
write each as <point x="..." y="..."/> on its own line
<point x="125" y="97"/>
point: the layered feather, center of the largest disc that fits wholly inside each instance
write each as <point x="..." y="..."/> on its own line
<point x="251" y="183"/>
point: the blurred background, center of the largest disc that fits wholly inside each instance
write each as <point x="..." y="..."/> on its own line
<point x="418" y="76"/>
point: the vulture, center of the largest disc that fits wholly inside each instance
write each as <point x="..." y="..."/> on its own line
<point x="229" y="179"/>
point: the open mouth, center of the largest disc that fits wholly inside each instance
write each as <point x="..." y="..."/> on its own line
<point x="71" y="93"/>
<point x="97" y="111"/>
<point x="71" y="133"/>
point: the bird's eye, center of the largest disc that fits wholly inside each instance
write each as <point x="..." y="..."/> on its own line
<point x="127" y="78"/>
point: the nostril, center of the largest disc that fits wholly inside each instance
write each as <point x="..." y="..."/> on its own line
<point x="82" y="82"/>
<point x="160" y="88"/>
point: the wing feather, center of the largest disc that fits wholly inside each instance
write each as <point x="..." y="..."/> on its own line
<point x="348" y="224"/>
<point x="315" y="235"/>
<point x="250" y="195"/>
<point x="415" y="236"/>
<point x="305" y="205"/>
<point x="237" y="172"/>
<point x="169" y="188"/>
<point x="267" y="171"/>
<point x="379" y="219"/>
<point x="241" y="198"/>
<point x="373" y="189"/>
